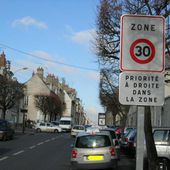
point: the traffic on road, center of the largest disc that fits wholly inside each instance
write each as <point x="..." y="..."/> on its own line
<point x="61" y="151"/>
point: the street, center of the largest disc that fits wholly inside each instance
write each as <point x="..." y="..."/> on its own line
<point x="45" y="151"/>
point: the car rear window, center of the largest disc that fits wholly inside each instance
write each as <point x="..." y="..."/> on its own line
<point x="78" y="127"/>
<point x="161" y="135"/>
<point x="93" y="141"/>
<point x="65" y="122"/>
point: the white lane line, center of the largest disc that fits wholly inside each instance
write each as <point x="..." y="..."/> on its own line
<point x="31" y="147"/>
<point x="17" y="153"/>
<point x="40" y="143"/>
<point x="47" y="140"/>
<point x="3" y="158"/>
<point x="53" y="138"/>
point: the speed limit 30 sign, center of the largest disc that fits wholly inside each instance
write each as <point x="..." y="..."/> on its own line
<point x="142" y="43"/>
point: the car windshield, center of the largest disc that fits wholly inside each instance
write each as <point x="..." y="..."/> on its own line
<point x="65" y="122"/>
<point x="93" y="141"/>
<point x="78" y="127"/>
<point x="2" y="125"/>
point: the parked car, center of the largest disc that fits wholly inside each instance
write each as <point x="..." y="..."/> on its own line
<point x="127" y="130"/>
<point x="113" y="135"/>
<point x="77" y="129"/>
<point x="161" y="137"/>
<point x="131" y="143"/>
<point x="93" y="129"/>
<point x="47" y="127"/>
<point x="118" y="131"/>
<point x="114" y="138"/>
<point x="56" y="123"/>
<point x="93" y="151"/>
<point x="126" y="141"/>
<point x="6" y="131"/>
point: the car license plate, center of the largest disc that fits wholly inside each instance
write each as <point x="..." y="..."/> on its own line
<point x="95" y="157"/>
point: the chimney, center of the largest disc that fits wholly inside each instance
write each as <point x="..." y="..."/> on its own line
<point x="2" y="60"/>
<point x="40" y="72"/>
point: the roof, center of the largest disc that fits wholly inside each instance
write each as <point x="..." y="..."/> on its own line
<point x="91" y="133"/>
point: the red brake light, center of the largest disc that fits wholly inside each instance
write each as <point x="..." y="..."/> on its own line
<point x="112" y="151"/>
<point x="74" y="153"/>
<point x="126" y="139"/>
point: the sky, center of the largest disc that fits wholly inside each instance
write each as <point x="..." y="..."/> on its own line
<point x="54" y="34"/>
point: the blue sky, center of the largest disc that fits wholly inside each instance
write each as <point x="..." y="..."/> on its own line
<point x="56" y="30"/>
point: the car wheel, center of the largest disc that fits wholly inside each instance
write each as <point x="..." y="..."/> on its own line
<point x="4" y="137"/>
<point x="38" y="130"/>
<point x="12" y="137"/>
<point x="56" y="131"/>
<point x="164" y="163"/>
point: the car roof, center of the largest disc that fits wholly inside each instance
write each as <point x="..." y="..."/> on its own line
<point x="78" y="126"/>
<point x="92" y="133"/>
<point x="108" y="129"/>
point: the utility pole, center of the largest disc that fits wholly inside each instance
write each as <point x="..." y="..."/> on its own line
<point x="23" y="119"/>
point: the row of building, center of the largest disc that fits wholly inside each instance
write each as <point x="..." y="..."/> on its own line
<point x="38" y="84"/>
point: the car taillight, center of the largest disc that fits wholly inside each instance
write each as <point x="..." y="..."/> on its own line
<point x="74" y="153"/>
<point x="112" y="151"/>
<point x="126" y="139"/>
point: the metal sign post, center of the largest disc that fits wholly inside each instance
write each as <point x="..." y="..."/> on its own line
<point x="140" y="138"/>
<point x="142" y="61"/>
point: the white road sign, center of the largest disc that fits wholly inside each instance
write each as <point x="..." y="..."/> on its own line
<point x="145" y="89"/>
<point x="101" y="119"/>
<point x="142" y="43"/>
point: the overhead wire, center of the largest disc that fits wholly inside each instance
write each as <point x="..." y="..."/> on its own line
<point x="53" y="61"/>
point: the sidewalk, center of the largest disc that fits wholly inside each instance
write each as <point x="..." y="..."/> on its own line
<point x="19" y="131"/>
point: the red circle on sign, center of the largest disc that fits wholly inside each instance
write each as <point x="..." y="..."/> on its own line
<point x="134" y="57"/>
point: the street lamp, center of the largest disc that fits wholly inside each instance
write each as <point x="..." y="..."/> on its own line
<point x="24" y="68"/>
<point x="18" y="103"/>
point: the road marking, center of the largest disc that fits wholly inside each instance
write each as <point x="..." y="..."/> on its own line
<point x="17" y="153"/>
<point x="31" y="147"/>
<point x="40" y="143"/>
<point x="3" y="158"/>
<point x="47" y="140"/>
<point x="53" y="138"/>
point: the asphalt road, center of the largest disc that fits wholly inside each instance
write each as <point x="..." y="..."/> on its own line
<point x="43" y="151"/>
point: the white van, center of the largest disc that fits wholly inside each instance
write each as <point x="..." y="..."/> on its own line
<point x="65" y="124"/>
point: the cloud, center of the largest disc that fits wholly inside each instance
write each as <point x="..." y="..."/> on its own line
<point x="28" y="22"/>
<point x="42" y="54"/>
<point x="83" y="37"/>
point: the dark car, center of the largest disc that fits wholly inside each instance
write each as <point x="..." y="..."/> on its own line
<point x="115" y="139"/>
<point x="127" y="142"/>
<point x="6" y="131"/>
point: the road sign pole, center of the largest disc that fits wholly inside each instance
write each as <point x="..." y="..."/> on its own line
<point x="140" y="138"/>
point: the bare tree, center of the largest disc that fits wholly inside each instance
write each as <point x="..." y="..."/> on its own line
<point x="109" y="95"/>
<point x="50" y="105"/>
<point x="10" y="93"/>
<point x="108" y="48"/>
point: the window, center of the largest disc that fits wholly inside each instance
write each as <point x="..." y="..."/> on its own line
<point x="65" y="122"/>
<point x="26" y="100"/>
<point x="93" y="141"/>
<point x="42" y="124"/>
<point x="160" y="135"/>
